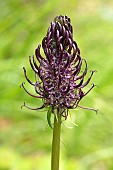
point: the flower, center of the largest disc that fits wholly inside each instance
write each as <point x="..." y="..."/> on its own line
<point x="60" y="80"/>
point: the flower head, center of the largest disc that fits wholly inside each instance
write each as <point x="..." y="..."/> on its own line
<point x="60" y="79"/>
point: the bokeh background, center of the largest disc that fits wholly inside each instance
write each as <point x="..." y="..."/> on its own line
<point x="25" y="139"/>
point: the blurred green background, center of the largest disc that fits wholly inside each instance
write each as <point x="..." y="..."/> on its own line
<point x="25" y="140"/>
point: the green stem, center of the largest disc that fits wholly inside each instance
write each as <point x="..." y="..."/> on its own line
<point x="56" y="143"/>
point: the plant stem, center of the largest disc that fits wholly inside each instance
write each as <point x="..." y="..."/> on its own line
<point x="56" y="143"/>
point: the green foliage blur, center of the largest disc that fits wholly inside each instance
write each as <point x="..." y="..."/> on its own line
<point x="25" y="138"/>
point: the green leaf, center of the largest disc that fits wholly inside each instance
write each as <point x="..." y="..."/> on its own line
<point x="49" y="117"/>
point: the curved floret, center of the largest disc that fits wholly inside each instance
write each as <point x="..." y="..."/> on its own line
<point x="61" y="78"/>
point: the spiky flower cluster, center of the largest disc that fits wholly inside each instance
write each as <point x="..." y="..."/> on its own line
<point x="60" y="80"/>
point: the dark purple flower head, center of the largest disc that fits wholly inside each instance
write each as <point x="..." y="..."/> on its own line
<point x="60" y="79"/>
